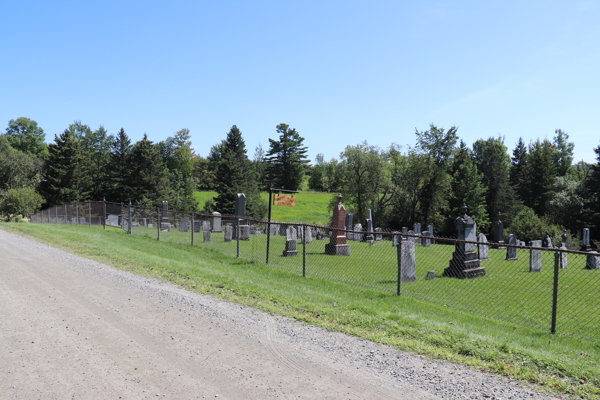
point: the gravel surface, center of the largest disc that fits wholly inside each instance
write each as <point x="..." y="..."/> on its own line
<point x="76" y="328"/>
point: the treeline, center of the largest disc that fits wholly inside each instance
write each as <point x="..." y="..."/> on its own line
<point x="535" y="190"/>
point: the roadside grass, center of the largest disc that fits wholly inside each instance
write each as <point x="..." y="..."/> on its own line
<point x="556" y="363"/>
<point x="311" y="207"/>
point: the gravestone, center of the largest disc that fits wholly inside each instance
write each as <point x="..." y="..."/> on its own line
<point x="150" y="225"/>
<point x="349" y="226"/>
<point x="358" y="235"/>
<point x="240" y="211"/>
<point x="165" y="213"/>
<point x="228" y="233"/>
<point x="244" y="232"/>
<point x="561" y="259"/>
<point x="408" y="262"/>
<point x="215" y="223"/>
<point x="430" y="275"/>
<point x="483" y="246"/>
<point x="368" y="237"/>
<point x="378" y="235"/>
<point x="145" y="222"/>
<point x="320" y="235"/>
<point x="290" y="243"/>
<point x="430" y="230"/>
<point x="299" y="232"/>
<point x="547" y="241"/>
<point x="426" y="239"/>
<point x="308" y="237"/>
<point x="81" y="220"/>
<point x="417" y="228"/>
<point x="184" y="224"/>
<point x="522" y="243"/>
<point x="410" y="238"/>
<point x="112" y="220"/>
<point x="511" y="252"/>
<point x="197" y="226"/>
<point x="586" y="246"/>
<point x="395" y="238"/>
<point x="565" y="238"/>
<point x="274" y="229"/>
<point x="498" y="233"/>
<point x="535" y="257"/>
<point x="593" y="260"/>
<point x="207" y="237"/>
<point x="338" y="243"/>
<point x="206" y="225"/>
<point x="283" y="230"/>
<point x="404" y="230"/>
<point x="464" y="262"/>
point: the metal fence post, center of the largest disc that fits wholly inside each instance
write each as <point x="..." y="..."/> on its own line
<point x="192" y="228"/>
<point x="90" y="213"/>
<point x="129" y="222"/>
<point x="104" y="213"/>
<point x="237" y="238"/>
<point x="76" y="213"/>
<point x="399" y="265"/>
<point x="122" y="217"/>
<point x="158" y="224"/>
<point x="65" y="211"/>
<point x="555" y="296"/>
<point x="303" y="250"/>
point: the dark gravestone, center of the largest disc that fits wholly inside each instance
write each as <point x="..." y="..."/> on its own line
<point x="426" y="239"/>
<point x="338" y="243"/>
<point x="349" y="226"/>
<point x="483" y="246"/>
<point x="535" y="257"/>
<point x="408" y="262"/>
<point x="395" y="238"/>
<point x="228" y="233"/>
<point x="430" y="275"/>
<point x="586" y="246"/>
<point x="511" y="252"/>
<point x="290" y="243"/>
<point x="215" y="223"/>
<point x="319" y="235"/>
<point x="207" y="237"/>
<point x="464" y="262"/>
<point x="165" y="213"/>
<point x="283" y="230"/>
<point x="417" y="228"/>
<point x="547" y="241"/>
<point x="184" y="224"/>
<point x="197" y="226"/>
<point x="240" y="211"/>
<point x="368" y="237"/>
<point x="299" y="232"/>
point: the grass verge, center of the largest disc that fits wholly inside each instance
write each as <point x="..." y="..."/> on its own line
<point x="555" y="363"/>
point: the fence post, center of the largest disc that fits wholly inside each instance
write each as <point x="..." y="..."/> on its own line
<point x="555" y="296"/>
<point x="237" y="238"/>
<point x="65" y="211"/>
<point x="399" y="265"/>
<point x="157" y="223"/>
<point x="104" y="213"/>
<point x="192" y="228"/>
<point x="122" y="217"/>
<point x="76" y="213"/>
<point x="90" y="213"/>
<point x="303" y="250"/>
<point x="129" y="222"/>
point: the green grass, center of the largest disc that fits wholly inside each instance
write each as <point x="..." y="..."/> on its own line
<point x="558" y="363"/>
<point x="311" y="207"/>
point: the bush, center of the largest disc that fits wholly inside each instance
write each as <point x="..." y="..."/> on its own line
<point x="23" y="201"/>
<point x="527" y="226"/>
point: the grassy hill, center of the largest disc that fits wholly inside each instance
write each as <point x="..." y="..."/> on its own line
<point x="311" y="207"/>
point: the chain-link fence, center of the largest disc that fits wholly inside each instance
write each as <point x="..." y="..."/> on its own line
<point x="545" y="287"/>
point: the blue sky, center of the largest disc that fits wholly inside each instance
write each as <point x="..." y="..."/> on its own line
<point x="340" y="72"/>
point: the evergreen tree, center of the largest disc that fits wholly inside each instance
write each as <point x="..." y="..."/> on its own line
<point x="178" y="156"/>
<point x="235" y="174"/>
<point x="467" y="188"/>
<point x="119" y="168"/>
<point x="151" y="183"/>
<point x="592" y="192"/>
<point x="96" y="153"/>
<point x="286" y="159"/>
<point x="518" y="168"/>
<point x="62" y="183"/>
<point x="541" y="173"/>
<point x="492" y="160"/>
<point x="563" y="155"/>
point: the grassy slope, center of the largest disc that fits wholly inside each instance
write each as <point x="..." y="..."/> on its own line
<point x="558" y="363"/>
<point x="311" y="207"/>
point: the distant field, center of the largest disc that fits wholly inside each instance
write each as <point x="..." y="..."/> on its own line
<point x="311" y="207"/>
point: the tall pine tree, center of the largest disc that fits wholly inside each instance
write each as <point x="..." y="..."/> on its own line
<point x="286" y="159"/>
<point x="120" y="174"/>
<point x="150" y="177"/>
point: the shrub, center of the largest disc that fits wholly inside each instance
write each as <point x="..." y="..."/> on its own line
<point x="23" y="201"/>
<point x="527" y="226"/>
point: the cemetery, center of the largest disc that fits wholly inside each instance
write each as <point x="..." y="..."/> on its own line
<point x="500" y="279"/>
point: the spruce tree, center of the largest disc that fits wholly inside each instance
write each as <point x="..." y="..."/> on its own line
<point x="235" y="174"/>
<point x="150" y="183"/>
<point x="286" y="159"/>
<point x="518" y="172"/>
<point x="120" y="174"/>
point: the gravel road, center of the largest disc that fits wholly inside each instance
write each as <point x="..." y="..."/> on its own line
<point x="78" y="329"/>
